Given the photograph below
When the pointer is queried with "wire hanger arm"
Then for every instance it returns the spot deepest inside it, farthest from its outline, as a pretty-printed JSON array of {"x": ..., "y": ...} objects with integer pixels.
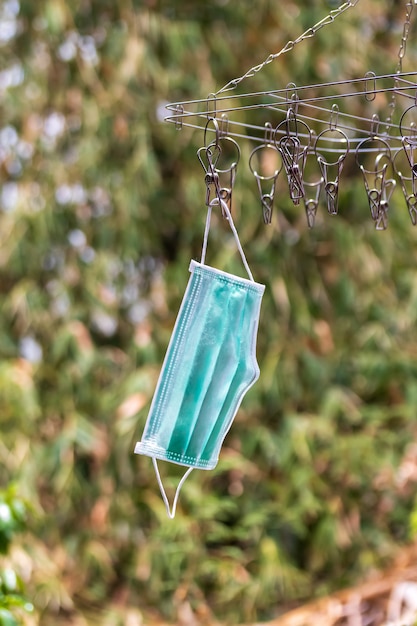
[{"x": 310, "y": 32}]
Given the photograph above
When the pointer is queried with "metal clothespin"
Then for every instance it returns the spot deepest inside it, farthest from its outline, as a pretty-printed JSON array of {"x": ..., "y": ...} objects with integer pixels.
[
  {"x": 292, "y": 157},
  {"x": 409, "y": 143},
  {"x": 311, "y": 203},
  {"x": 208, "y": 158},
  {"x": 407, "y": 184},
  {"x": 411, "y": 201},
  {"x": 387, "y": 186},
  {"x": 379, "y": 187},
  {"x": 261, "y": 152},
  {"x": 221, "y": 178},
  {"x": 331, "y": 181},
  {"x": 410, "y": 149},
  {"x": 226, "y": 176},
  {"x": 294, "y": 153},
  {"x": 331, "y": 170},
  {"x": 311, "y": 200}
]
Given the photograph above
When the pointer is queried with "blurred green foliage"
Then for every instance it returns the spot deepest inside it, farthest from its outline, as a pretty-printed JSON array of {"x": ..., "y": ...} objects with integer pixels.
[
  {"x": 13, "y": 515},
  {"x": 101, "y": 209}
]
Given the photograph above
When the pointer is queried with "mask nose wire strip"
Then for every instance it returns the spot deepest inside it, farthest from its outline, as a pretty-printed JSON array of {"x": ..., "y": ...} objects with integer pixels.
[
  {"x": 171, "y": 512},
  {"x": 216, "y": 202}
]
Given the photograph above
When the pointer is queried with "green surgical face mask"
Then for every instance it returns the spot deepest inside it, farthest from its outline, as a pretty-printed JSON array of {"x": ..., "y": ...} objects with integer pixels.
[{"x": 209, "y": 366}]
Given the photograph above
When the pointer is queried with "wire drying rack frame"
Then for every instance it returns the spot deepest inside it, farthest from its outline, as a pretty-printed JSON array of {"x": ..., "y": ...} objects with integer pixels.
[
  {"x": 372, "y": 119},
  {"x": 310, "y": 104}
]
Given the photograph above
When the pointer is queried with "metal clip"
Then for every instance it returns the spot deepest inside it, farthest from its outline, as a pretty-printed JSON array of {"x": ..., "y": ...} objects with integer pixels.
[
  {"x": 223, "y": 179},
  {"x": 226, "y": 175},
  {"x": 412, "y": 207},
  {"x": 331, "y": 187},
  {"x": 410, "y": 150},
  {"x": 267, "y": 198},
  {"x": 311, "y": 201},
  {"x": 208, "y": 159},
  {"x": 407, "y": 186},
  {"x": 409, "y": 142},
  {"x": 331, "y": 170},
  {"x": 311, "y": 204},
  {"x": 387, "y": 189},
  {"x": 378, "y": 187},
  {"x": 411, "y": 137},
  {"x": 294, "y": 154}
]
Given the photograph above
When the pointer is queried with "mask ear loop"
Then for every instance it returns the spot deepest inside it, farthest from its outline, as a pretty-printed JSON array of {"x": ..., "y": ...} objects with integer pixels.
[
  {"x": 223, "y": 204},
  {"x": 170, "y": 512},
  {"x": 218, "y": 201}
]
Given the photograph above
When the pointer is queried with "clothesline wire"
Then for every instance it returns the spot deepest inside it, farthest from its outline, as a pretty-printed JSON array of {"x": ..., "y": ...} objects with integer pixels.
[
  {"x": 261, "y": 140},
  {"x": 296, "y": 104},
  {"x": 313, "y": 86},
  {"x": 290, "y": 45},
  {"x": 299, "y": 105}
]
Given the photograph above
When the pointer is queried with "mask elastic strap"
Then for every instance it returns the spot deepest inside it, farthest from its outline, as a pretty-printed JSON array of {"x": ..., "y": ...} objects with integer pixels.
[
  {"x": 171, "y": 512},
  {"x": 216, "y": 202}
]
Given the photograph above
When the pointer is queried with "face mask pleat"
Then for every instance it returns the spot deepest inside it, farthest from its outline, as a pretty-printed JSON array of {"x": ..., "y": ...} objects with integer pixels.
[
  {"x": 157, "y": 429},
  {"x": 247, "y": 373},
  {"x": 206, "y": 341},
  {"x": 204, "y": 443}
]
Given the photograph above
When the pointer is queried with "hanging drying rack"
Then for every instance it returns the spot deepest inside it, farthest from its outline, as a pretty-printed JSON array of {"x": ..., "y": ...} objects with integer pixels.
[
  {"x": 307, "y": 107},
  {"x": 313, "y": 129}
]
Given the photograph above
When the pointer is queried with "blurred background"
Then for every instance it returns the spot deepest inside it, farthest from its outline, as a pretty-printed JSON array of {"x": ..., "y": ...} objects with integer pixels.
[{"x": 102, "y": 206}]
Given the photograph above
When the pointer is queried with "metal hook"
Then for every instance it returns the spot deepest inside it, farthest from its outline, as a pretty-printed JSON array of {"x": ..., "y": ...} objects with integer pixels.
[
  {"x": 334, "y": 117},
  {"x": 224, "y": 125},
  {"x": 217, "y": 131},
  {"x": 269, "y": 134},
  {"x": 370, "y": 94},
  {"x": 291, "y": 117},
  {"x": 292, "y": 100},
  {"x": 211, "y": 99},
  {"x": 375, "y": 125}
]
